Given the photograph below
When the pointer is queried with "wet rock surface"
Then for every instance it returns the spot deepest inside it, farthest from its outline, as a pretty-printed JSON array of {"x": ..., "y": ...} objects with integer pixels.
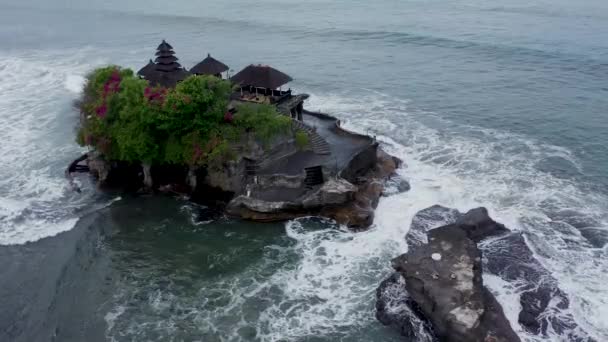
[
  {"x": 395, "y": 307},
  {"x": 333, "y": 192},
  {"x": 396, "y": 185},
  {"x": 351, "y": 204},
  {"x": 543, "y": 304},
  {"x": 427, "y": 219},
  {"x": 444, "y": 263},
  {"x": 444, "y": 279}
]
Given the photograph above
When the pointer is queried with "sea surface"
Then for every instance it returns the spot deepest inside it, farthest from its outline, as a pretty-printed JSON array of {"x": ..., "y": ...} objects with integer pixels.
[{"x": 502, "y": 104}]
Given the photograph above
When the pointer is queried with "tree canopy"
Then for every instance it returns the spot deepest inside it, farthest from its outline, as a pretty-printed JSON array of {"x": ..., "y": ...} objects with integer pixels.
[{"x": 126, "y": 119}]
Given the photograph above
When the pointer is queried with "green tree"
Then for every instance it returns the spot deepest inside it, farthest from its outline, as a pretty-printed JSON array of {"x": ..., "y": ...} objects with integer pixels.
[
  {"x": 128, "y": 120},
  {"x": 263, "y": 120}
]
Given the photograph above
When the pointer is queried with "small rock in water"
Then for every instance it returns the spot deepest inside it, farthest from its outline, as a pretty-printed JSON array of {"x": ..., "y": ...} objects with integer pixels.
[
  {"x": 436, "y": 256},
  {"x": 395, "y": 186}
]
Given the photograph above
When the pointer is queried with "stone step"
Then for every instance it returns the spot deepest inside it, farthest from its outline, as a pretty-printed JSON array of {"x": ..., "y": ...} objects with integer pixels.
[{"x": 317, "y": 143}]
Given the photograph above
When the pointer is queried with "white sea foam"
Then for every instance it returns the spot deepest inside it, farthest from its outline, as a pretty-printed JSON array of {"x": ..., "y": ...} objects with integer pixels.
[
  {"x": 464, "y": 167},
  {"x": 74, "y": 83},
  {"x": 36, "y": 126},
  {"x": 113, "y": 315}
]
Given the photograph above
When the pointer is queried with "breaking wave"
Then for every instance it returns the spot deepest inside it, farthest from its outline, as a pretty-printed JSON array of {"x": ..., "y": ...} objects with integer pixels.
[
  {"x": 36, "y": 126},
  {"x": 464, "y": 167}
]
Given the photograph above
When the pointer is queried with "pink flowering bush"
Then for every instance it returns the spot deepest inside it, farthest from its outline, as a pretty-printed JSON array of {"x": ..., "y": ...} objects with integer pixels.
[{"x": 128, "y": 119}]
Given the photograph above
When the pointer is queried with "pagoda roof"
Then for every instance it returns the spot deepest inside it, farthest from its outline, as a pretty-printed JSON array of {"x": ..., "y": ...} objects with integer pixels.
[
  {"x": 167, "y": 79},
  {"x": 164, "y": 46},
  {"x": 167, "y": 60},
  {"x": 165, "y": 70}
]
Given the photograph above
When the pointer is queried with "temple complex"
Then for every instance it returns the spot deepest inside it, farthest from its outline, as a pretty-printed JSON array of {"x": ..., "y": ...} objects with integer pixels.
[
  {"x": 314, "y": 168},
  {"x": 331, "y": 149}
]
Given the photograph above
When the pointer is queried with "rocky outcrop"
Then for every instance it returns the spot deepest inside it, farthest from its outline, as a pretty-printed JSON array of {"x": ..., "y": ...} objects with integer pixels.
[
  {"x": 250, "y": 189},
  {"x": 432, "y": 272},
  {"x": 347, "y": 203},
  {"x": 115, "y": 175},
  {"x": 396, "y": 185},
  {"x": 444, "y": 279},
  {"x": 395, "y": 307},
  {"x": 336, "y": 191},
  {"x": 359, "y": 213},
  {"x": 98, "y": 166}
]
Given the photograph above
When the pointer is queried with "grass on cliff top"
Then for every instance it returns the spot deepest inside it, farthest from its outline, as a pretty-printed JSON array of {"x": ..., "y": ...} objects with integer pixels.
[{"x": 126, "y": 119}]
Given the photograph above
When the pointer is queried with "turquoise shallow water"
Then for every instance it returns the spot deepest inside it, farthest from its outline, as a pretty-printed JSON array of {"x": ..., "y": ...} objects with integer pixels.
[{"x": 501, "y": 105}]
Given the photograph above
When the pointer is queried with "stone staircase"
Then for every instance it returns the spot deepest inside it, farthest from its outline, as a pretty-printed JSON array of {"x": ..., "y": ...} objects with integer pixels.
[
  {"x": 314, "y": 176},
  {"x": 252, "y": 168},
  {"x": 317, "y": 143}
]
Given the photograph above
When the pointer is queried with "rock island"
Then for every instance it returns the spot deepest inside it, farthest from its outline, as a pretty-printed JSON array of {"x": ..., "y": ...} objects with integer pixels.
[{"x": 240, "y": 142}]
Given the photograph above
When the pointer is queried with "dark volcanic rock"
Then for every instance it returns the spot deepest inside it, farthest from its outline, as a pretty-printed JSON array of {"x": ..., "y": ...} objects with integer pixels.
[
  {"x": 339, "y": 199},
  {"x": 396, "y": 308},
  {"x": 434, "y": 288},
  {"x": 427, "y": 219},
  {"x": 478, "y": 225},
  {"x": 444, "y": 279},
  {"x": 396, "y": 185}
]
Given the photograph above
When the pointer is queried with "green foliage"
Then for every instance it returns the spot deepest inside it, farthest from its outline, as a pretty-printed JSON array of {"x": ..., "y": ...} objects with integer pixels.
[
  {"x": 263, "y": 120},
  {"x": 197, "y": 104},
  {"x": 126, "y": 119},
  {"x": 302, "y": 140}
]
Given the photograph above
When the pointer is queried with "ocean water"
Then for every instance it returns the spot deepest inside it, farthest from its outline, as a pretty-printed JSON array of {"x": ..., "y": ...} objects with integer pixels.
[{"x": 502, "y": 105}]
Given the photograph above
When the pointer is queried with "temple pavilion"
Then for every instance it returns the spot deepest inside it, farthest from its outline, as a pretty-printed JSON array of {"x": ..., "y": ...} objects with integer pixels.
[
  {"x": 262, "y": 84},
  {"x": 165, "y": 71},
  {"x": 209, "y": 66}
]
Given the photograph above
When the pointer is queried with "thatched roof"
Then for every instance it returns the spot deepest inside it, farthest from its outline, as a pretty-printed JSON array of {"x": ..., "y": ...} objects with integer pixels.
[
  {"x": 165, "y": 70},
  {"x": 146, "y": 70},
  {"x": 167, "y": 79},
  {"x": 261, "y": 76},
  {"x": 209, "y": 66}
]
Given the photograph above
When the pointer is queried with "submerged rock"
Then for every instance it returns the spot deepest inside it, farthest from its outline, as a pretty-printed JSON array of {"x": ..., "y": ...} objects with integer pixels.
[
  {"x": 543, "y": 304},
  {"x": 396, "y": 185}
]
